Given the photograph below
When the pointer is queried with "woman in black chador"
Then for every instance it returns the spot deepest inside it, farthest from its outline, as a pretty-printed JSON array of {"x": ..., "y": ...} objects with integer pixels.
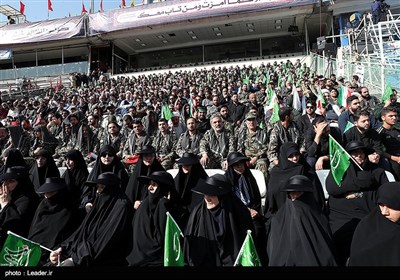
[
  {"x": 147, "y": 164},
  {"x": 150, "y": 219},
  {"x": 107, "y": 161},
  {"x": 76, "y": 175},
  {"x": 376, "y": 241},
  {"x": 300, "y": 233},
  {"x": 291, "y": 163},
  {"x": 12, "y": 157},
  {"x": 43, "y": 167},
  {"x": 246, "y": 189},
  {"x": 190, "y": 172},
  {"x": 217, "y": 226},
  {"x": 56, "y": 217},
  {"x": 102, "y": 238},
  {"x": 353, "y": 198},
  {"x": 18, "y": 202}
]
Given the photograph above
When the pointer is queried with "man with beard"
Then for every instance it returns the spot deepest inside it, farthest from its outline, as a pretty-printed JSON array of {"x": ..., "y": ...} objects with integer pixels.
[
  {"x": 362, "y": 131},
  {"x": 216, "y": 144},
  {"x": 189, "y": 141},
  {"x": 367, "y": 102},
  {"x": 203, "y": 124},
  {"x": 348, "y": 116}
]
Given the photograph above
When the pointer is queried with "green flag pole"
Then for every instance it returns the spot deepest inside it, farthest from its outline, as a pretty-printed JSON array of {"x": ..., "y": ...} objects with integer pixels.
[
  {"x": 346, "y": 152},
  {"x": 241, "y": 249},
  {"x": 19, "y": 236}
]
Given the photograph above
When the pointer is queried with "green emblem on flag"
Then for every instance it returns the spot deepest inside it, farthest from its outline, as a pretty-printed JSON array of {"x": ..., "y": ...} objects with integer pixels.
[
  {"x": 340, "y": 160},
  {"x": 19, "y": 252},
  {"x": 248, "y": 254},
  {"x": 173, "y": 255}
]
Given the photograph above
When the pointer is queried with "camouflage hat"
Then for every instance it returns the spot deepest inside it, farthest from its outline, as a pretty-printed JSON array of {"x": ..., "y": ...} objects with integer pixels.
[{"x": 250, "y": 116}]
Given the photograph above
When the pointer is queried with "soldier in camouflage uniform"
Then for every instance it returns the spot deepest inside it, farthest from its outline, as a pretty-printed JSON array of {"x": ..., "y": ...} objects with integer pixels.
[
  {"x": 189, "y": 141},
  {"x": 253, "y": 143},
  {"x": 228, "y": 123},
  {"x": 94, "y": 123},
  {"x": 133, "y": 145},
  {"x": 164, "y": 142},
  {"x": 216, "y": 144},
  {"x": 284, "y": 130}
]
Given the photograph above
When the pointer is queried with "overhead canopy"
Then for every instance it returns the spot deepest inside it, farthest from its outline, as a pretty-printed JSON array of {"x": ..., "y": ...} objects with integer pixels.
[{"x": 7, "y": 10}]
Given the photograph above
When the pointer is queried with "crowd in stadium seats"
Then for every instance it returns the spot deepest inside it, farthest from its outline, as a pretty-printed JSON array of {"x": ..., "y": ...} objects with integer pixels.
[{"x": 278, "y": 118}]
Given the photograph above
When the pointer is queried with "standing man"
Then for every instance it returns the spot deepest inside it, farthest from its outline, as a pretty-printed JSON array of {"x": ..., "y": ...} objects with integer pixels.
[{"x": 376, "y": 8}]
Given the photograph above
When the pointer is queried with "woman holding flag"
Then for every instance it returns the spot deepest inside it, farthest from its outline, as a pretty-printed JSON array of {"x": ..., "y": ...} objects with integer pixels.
[
  {"x": 217, "y": 226},
  {"x": 353, "y": 197},
  {"x": 150, "y": 219}
]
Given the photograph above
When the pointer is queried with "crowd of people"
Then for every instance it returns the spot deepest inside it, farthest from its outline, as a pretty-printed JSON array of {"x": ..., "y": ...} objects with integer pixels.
[{"x": 117, "y": 137}]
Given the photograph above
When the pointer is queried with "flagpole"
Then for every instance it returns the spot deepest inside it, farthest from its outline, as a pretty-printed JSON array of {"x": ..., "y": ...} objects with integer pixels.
[
  {"x": 242, "y": 248},
  {"x": 169, "y": 215},
  {"x": 19, "y": 236},
  {"x": 346, "y": 152}
]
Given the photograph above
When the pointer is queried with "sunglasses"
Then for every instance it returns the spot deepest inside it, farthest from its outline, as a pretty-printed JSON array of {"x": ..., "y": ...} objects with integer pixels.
[
  {"x": 310, "y": 107},
  {"x": 107, "y": 154}
]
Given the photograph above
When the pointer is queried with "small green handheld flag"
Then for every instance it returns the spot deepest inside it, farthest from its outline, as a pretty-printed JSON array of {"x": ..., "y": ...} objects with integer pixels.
[
  {"x": 388, "y": 91},
  {"x": 340, "y": 160},
  {"x": 18, "y": 251},
  {"x": 248, "y": 254},
  {"x": 348, "y": 126},
  {"x": 173, "y": 255}
]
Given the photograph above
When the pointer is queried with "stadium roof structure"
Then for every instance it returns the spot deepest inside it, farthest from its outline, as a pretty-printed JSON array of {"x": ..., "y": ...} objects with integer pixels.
[{"x": 7, "y": 10}]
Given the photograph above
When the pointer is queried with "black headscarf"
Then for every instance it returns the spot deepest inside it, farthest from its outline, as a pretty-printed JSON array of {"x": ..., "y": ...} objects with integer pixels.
[
  {"x": 149, "y": 221},
  {"x": 135, "y": 189},
  {"x": 56, "y": 218},
  {"x": 254, "y": 202},
  {"x": 214, "y": 237},
  {"x": 345, "y": 214},
  {"x": 115, "y": 167},
  {"x": 17, "y": 215},
  {"x": 75, "y": 178},
  {"x": 38, "y": 175},
  {"x": 300, "y": 235},
  {"x": 281, "y": 173},
  {"x": 102, "y": 238},
  {"x": 254, "y": 196},
  {"x": 14, "y": 158},
  {"x": 376, "y": 240},
  {"x": 185, "y": 182}
]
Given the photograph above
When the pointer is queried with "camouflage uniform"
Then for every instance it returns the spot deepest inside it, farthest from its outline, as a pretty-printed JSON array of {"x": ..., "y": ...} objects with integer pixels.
[
  {"x": 165, "y": 148},
  {"x": 188, "y": 144},
  {"x": 217, "y": 147},
  {"x": 280, "y": 135},
  {"x": 134, "y": 144},
  {"x": 255, "y": 144}
]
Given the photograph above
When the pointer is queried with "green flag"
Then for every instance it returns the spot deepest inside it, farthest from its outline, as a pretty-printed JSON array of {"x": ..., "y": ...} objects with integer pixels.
[
  {"x": 166, "y": 112},
  {"x": 246, "y": 80},
  {"x": 18, "y": 251},
  {"x": 340, "y": 160},
  {"x": 248, "y": 254},
  {"x": 348, "y": 126},
  {"x": 387, "y": 92},
  {"x": 173, "y": 255},
  {"x": 275, "y": 113}
]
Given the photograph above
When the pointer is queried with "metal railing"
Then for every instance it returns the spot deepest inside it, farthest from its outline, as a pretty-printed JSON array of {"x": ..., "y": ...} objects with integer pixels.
[{"x": 373, "y": 73}]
